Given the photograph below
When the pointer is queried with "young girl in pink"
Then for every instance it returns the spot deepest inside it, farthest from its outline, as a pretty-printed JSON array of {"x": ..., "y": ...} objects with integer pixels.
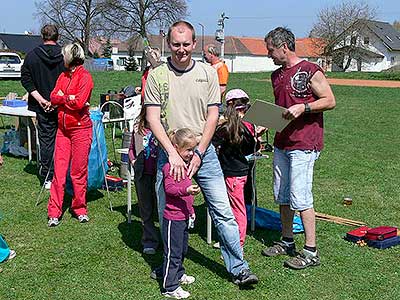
[
  {"x": 177, "y": 214},
  {"x": 234, "y": 139}
]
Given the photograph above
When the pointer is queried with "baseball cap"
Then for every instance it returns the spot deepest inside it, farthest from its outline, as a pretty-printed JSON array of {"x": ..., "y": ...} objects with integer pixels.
[{"x": 235, "y": 94}]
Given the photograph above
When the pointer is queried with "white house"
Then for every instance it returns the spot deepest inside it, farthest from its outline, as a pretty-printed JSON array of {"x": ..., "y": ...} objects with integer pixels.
[{"x": 367, "y": 45}]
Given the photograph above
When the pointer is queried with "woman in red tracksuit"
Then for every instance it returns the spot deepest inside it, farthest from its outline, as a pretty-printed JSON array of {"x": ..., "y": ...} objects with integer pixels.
[{"x": 74, "y": 135}]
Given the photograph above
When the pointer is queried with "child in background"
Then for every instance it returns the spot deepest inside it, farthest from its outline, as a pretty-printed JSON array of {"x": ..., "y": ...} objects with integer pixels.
[
  {"x": 143, "y": 156},
  {"x": 234, "y": 139},
  {"x": 178, "y": 214}
]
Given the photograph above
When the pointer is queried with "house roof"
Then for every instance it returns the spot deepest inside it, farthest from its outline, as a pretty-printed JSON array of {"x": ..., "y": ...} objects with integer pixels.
[
  {"x": 309, "y": 47},
  {"x": 386, "y": 32},
  {"x": 255, "y": 45},
  {"x": 21, "y": 42}
]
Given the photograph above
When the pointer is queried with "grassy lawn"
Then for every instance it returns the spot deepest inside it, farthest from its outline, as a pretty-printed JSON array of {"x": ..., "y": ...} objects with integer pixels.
[{"x": 102, "y": 259}]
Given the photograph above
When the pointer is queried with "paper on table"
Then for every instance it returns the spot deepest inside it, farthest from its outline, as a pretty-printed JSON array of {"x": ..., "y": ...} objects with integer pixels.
[{"x": 267, "y": 114}]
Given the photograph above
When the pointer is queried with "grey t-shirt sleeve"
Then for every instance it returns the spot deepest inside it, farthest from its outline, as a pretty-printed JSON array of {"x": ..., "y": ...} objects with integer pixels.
[
  {"x": 214, "y": 93},
  {"x": 152, "y": 94}
]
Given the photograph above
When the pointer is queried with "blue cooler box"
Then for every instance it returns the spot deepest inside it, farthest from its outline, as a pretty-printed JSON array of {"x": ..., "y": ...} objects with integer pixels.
[
  {"x": 390, "y": 242},
  {"x": 15, "y": 103}
]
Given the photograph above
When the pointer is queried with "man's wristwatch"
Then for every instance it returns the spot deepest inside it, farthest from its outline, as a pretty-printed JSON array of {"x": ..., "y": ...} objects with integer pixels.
[
  {"x": 199, "y": 153},
  {"x": 307, "y": 108}
]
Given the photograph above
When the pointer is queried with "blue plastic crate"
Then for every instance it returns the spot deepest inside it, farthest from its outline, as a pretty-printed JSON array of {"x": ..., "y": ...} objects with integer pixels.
[
  {"x": 390, "y": 242},
  {"x": 15, "y": 103}
]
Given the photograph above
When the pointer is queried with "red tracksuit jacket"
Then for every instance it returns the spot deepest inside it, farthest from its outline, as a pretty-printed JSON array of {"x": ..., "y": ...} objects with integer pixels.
[{"x": 73, "y": 114}]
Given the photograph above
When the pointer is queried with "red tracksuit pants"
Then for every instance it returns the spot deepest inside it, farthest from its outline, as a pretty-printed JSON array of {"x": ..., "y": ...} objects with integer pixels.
[
  {"x": 235, "y": 188},
  {"x": 71, "y": 150}
]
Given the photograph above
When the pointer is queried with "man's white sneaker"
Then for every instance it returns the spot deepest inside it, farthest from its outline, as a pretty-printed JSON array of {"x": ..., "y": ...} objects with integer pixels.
[
  {"x": 179, "y": 293},
  {"x": 53, "y": 222},
  {"x": 83, "y": 218},
  {"x": 186, "y": 279},
  {"x": 47, "y": 184}
]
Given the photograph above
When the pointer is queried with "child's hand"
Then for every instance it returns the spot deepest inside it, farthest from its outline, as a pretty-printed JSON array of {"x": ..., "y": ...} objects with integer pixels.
[
  {"x": 194, "y": 189},
  {"x": 193, "y": 216},
  {"x": 260, "y": 130}
]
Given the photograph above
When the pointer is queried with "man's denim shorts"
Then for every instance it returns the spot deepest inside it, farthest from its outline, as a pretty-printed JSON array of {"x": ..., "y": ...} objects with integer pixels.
[{"x": 293, "y": 177}]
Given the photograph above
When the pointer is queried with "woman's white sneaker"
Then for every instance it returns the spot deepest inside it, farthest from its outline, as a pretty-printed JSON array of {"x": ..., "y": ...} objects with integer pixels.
[
  {"x": 53, "y": 222},
  {"x": 83, "y": 218}
]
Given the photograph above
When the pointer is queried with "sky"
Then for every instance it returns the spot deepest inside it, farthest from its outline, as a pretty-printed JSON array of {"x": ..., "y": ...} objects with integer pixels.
[{"x": 252, "y": 18}]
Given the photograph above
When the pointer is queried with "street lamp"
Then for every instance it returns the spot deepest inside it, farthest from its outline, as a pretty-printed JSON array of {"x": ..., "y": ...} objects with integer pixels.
[{"x": 202, "y": 42}]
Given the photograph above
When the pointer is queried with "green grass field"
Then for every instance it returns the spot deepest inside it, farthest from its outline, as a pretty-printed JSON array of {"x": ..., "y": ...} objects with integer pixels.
[{"x": 102, "y": 259}]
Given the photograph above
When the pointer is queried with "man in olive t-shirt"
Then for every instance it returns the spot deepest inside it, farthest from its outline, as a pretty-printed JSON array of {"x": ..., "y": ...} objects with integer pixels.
[{"x": 185, "y": 93}]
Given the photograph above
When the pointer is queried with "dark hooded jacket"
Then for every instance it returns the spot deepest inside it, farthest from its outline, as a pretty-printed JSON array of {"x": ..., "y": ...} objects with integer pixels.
[{"x": 40, "y": 71}]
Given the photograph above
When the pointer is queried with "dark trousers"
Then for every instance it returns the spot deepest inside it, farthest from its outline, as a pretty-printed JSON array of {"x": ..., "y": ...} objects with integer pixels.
[
  {"x": 47, "y": 129},
  {"x": 250, "y": 190},
  {"x": 175, "y": 238},
  {"x": 147, "y": 202}
]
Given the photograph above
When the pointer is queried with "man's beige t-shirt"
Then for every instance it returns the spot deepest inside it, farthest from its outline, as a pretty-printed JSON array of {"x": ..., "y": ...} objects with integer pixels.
[{"x": 190, "y": 93}]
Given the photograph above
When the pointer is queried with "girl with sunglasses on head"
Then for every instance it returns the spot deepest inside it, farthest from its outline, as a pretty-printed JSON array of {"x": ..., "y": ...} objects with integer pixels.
[{"x": 234, "y": 139}]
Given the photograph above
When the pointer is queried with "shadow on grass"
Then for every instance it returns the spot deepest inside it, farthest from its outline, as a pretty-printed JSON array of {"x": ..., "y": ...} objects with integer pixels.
[
  {"x": 31, "y": 168},
  {"x": 264, "y": 236},
  {"x": 131, "y": 236},
  {"x": 92, "y": 195}
]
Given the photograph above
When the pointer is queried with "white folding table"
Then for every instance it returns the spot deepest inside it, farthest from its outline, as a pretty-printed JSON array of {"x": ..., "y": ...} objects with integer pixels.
[{"x": 25, "y": 113}]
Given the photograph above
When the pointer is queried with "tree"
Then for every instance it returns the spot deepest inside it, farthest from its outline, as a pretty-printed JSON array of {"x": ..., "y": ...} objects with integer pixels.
[
  {"x": 131, "y": 64},
  {"x": 332, "y": 22},
  {"x": 107, "y": 51},
  {"x": 78, "y": 20},
  {"x": 137, "y": 17},
  {"x": 396, "y": 25}
]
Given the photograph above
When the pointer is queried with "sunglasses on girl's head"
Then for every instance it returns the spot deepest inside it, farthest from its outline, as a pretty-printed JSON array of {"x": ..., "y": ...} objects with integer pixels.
[{"x": 242, "y": 107}]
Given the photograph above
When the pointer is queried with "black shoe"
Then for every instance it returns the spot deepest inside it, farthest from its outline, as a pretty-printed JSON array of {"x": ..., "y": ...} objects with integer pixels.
[
  {"x": 156, "y": 274},
  {"x": 280, "y": 248},
  {"x": 245, "y": 277}
]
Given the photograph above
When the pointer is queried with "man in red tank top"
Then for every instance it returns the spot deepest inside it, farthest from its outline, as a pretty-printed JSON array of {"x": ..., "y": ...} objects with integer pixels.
[{"x": 302, "y": 88}]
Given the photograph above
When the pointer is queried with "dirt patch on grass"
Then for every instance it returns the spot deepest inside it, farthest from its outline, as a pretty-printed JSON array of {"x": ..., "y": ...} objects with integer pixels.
[
  {"x": 365, "y": 82},
  {"x": 354, "y": 82}
]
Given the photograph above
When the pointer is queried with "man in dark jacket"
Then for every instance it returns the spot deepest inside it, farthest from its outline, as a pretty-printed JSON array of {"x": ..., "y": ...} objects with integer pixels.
[{"x": 39, "y": 74}]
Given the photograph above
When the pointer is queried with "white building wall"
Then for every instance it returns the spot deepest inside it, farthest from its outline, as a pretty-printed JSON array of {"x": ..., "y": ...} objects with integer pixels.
[
  {"x": 235, "y": 64},
  {"x": 249, "y": 64},
  {"x": 376, "y": 45}
]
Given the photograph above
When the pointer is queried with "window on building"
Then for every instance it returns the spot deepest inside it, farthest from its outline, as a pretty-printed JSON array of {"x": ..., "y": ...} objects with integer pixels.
[
  {"x": 392, "y": 60},
  {"x": 366, "y": 40}
]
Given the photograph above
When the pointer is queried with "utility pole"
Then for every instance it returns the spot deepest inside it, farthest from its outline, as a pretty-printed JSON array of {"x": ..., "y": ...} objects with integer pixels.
[
  {"x": 202, "y": 42},
  {"x": 162, "y": 34},
  {"x": 220, "y": 33}
]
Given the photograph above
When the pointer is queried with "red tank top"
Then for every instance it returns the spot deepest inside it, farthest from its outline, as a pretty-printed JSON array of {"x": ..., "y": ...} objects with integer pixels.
[{"x": 292, "y": 86}]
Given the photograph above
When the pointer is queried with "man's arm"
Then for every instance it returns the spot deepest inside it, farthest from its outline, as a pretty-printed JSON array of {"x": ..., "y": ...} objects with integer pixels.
[
  {"x": 28, "y": 84},
  {"x": 222, "y": 88},
  {"x": 176, "y": 162},
  {"x": 208, "y": 132},
  {"x": 326, "y": 99}
]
